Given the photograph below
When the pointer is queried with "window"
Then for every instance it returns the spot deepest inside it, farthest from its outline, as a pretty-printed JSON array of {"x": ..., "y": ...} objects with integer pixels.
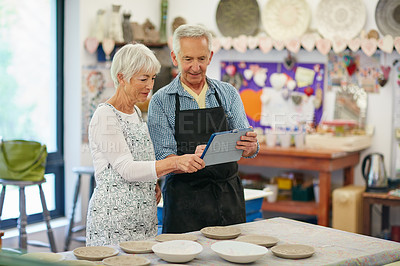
[{"x": 31, "y": 69}]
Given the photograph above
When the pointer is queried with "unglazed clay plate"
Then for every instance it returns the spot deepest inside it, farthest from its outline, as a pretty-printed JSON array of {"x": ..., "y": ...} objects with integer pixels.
[
  {"x": 78, "y": 262},
  {"x": 126, "y": 260},
  {"x": 221, "y": 232},
  {"x": 44, "y": 256},
  {"x": 94, "y": 253},
  {"x": 169, "y": 237},
  {"x": 293, "y": 251},
  {"x": 261, "y": 240},
  {"x": 137, "y": 246}
]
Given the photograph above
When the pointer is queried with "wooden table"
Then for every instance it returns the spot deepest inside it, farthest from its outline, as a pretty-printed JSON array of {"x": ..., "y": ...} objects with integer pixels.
[
  {"x": 322, "y": 161},
  {"x": 385, "y": 200},
  {"x": 332, "y": 246}
]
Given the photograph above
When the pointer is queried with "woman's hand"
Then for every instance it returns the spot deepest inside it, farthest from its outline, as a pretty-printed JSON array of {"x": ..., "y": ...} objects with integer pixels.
[
  {"x": 248, "y": 143},
  {"x": 189, "y": 163},
  {"x": 158, "y": 193}
]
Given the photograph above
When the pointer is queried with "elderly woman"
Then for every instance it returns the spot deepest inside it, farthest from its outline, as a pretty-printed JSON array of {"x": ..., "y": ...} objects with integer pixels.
[{"x": 123, "y": 204}]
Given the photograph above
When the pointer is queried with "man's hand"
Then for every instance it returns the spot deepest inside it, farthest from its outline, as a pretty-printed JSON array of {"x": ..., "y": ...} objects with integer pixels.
[{"x": 248, "y": 143}]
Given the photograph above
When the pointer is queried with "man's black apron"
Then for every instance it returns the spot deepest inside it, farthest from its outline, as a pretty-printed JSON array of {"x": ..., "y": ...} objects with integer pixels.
[{"x": 212, "y": 196}]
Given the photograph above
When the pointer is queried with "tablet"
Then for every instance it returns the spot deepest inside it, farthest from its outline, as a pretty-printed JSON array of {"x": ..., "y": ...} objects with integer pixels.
[{"x": 221, "y": 147}]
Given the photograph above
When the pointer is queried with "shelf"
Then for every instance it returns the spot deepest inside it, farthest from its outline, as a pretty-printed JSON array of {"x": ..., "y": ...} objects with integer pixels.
[{"x": 324, "y": 161}]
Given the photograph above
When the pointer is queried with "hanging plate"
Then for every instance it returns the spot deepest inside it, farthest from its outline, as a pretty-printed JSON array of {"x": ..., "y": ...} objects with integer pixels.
[
  {"x": 237, "y": 17},
  {"x": 340, "y": 18},
  {"x": 286, "y": 19},
  {"x": 387, "y": 17}
]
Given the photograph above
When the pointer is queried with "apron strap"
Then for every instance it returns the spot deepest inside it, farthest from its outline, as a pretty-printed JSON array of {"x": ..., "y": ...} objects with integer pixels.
[{"x": 178, "y": 103}]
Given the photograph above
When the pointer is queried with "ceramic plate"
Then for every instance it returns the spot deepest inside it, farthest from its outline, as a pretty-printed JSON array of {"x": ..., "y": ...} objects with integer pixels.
[
  {"x": 126, "y": 260},
  {"x": 44, "y": 256},
  {"x": 286, "y": 19},
  {"x": 237, "y": 17},
  {"x": 293, "y": 251},
  {"x": 340, "y": 18},
  {"x": 238, "y": 252},
  {"x": 78, "y": 262},
  {"x": 387, "y": 14},
  {"x": 177, "y": 251},
  {"x": 221, "y": 232},
  {"x": 169, "y": 237},
  {"x": 94, "y": 253},
  {"x": 261, "y": 240},
  {"x": 137, "y": 246}
]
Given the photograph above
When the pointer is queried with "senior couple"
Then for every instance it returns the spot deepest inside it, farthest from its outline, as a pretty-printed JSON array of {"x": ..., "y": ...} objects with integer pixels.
[{"x": 129, "y": 155}]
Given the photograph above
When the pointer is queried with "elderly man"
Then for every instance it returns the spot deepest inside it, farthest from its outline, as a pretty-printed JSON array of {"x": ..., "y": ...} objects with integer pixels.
[{"x": 183, "y": 115}]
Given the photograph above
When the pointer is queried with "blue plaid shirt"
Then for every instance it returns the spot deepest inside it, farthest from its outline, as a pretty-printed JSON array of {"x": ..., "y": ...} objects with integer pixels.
[{"x": 161, "y": 113}]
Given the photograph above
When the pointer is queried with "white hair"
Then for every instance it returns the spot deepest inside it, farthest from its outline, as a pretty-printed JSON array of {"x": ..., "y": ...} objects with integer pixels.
[
  {"x": 131, "y": 59},
  {"x": 190, "y": 31}
]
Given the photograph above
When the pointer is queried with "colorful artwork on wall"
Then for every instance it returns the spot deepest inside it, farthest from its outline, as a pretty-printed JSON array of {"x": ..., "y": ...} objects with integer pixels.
[
  {"x": 97, "y": 87},
  {"x": 277, "y": 94}
]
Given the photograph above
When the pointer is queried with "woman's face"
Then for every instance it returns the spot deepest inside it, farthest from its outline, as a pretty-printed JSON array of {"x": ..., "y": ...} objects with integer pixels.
[{"x": 140, "y": 85}]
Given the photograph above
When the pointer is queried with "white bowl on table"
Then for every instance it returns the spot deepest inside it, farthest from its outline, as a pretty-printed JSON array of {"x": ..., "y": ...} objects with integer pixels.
[
  {"x": 239, "y": 252},
  {"x": 177, "y": 251}
]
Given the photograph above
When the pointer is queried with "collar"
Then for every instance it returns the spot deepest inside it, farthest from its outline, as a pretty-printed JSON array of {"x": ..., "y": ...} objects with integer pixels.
[{"x": 176, "y": 87}]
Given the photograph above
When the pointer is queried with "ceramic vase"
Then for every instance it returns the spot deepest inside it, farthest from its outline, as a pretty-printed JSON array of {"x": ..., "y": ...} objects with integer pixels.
[
  {"x": 115, "y": 31},
  {"x": 127, "y": 28},
  {"x": 163, "y": 26},
  {"x": 99, "y": 27}
]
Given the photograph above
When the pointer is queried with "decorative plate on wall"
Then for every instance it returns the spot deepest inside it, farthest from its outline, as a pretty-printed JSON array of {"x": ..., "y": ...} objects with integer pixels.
[
  {"x": 237, "y": 17},
  {"x": 387, "y": 17},
  {"x": 286, "y": 19},
  {"x": 340, "y": 18}
]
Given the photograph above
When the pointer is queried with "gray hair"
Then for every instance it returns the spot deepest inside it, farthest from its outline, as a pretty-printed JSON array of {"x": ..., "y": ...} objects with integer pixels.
[
  {"x": 190, "y": 31},
  {"x": 131, "y": 59}
]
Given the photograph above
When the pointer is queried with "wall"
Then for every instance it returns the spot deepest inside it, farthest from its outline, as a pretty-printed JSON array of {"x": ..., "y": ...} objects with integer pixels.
[{"x": 80, "y": 16}]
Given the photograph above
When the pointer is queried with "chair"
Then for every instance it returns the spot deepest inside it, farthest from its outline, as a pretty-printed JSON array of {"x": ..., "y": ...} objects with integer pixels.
[
  {"x": 87, "y": 171},
  {"x": 22, "y": 220}
]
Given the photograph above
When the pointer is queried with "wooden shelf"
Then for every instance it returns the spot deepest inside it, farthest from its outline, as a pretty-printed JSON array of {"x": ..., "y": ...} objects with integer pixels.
[{"x": 323, "y": 161}]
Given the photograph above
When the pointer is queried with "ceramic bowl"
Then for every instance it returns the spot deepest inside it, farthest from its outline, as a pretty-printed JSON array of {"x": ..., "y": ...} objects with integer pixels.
[
  {"x": 239, "y": 252},
  {"x": 177, "y": 251}
]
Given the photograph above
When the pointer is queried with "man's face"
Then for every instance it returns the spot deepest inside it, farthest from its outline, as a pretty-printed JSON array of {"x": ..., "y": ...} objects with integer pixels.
[{"x": 192, "y": 61}]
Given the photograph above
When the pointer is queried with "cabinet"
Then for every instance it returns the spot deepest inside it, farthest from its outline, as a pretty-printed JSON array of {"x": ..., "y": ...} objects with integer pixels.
[{"x": 323, "y": 161}]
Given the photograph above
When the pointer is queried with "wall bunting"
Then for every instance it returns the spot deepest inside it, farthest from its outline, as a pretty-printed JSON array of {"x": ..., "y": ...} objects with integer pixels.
[{"x": 277, "y": 94}]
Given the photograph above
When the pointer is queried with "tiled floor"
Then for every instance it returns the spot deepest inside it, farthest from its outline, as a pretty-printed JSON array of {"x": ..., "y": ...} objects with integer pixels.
[{"x": 10, "y": 239}]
